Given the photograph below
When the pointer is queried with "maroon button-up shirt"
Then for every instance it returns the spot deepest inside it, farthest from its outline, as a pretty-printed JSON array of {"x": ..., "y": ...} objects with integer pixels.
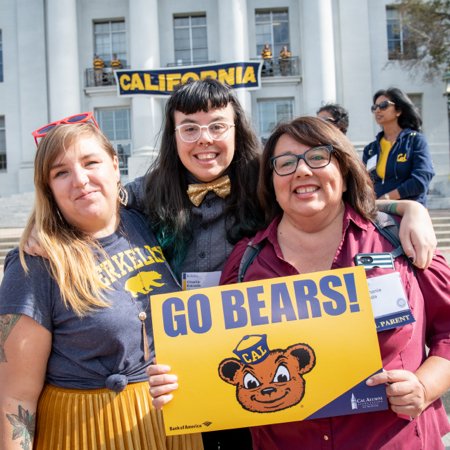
[{"x": 401, "y": 348}]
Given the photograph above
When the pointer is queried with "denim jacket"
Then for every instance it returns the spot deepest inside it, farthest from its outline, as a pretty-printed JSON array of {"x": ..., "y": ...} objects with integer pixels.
[{"x": 409, "y": 167}]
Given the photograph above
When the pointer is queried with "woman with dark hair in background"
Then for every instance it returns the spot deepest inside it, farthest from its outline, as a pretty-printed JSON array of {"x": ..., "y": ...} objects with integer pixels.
[
  {"x": 335, "y": 114},
  {"x": 399, "y": 159}
]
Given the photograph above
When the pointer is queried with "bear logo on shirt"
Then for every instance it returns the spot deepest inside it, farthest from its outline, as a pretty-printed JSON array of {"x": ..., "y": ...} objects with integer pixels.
[
  {"x": 143, "y": 283},
  {"x": 267, "y": 380}
]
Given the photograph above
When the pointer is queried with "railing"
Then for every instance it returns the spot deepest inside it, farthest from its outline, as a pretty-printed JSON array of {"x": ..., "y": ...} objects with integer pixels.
[
  {"x": 101, "y": 77},
  {"x": 180, "y": 63},
  {"x": 276, "y": 67}
]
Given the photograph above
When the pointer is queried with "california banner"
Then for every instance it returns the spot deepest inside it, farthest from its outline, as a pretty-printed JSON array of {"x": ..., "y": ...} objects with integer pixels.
[{"x": 163, "y": 81}]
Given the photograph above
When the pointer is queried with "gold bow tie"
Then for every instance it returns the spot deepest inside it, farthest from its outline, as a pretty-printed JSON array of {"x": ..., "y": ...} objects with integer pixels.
[{"x": 197, "y": 192}]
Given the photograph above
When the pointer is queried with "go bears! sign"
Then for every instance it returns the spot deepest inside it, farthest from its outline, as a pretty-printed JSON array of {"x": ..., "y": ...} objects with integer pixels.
[{"x": 269, "y": 351}]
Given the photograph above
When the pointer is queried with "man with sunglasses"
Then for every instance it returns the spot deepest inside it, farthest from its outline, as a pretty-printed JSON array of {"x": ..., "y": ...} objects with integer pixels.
[{"x": 399, "y": 159}]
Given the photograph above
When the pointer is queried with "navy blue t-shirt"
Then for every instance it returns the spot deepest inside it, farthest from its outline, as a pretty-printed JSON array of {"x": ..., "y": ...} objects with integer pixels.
[{"x": 87, "y": 351}]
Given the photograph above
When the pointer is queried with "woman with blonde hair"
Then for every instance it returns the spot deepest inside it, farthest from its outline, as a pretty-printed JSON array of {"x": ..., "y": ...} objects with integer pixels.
[{"x": 76, "y": 327}]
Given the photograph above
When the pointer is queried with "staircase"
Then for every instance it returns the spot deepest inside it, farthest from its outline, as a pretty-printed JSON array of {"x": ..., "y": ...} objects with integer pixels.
[
  {"x": 16, "y": 210},
  {"x": 441, "y": 224}
]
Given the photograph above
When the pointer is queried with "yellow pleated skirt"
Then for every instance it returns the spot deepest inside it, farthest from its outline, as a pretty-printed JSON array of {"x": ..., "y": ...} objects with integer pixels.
[{"x": 100, "y": 419}]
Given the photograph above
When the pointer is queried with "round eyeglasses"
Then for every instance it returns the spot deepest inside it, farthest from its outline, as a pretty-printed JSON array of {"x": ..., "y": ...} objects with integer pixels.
[
  {"x": 315, "y": 158},
  {"x": 191, "y": 132},
  {"x": 382, "y": 105}
]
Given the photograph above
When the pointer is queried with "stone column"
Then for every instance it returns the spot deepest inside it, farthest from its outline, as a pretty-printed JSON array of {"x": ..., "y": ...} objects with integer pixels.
[
  {"x": 234, "y": 39},
  {"x": 31, "y": 85},
  {"x": 146, "y": 111},
  {"x": 62, "y": 59},
  {"x": 318, "y": 60}
]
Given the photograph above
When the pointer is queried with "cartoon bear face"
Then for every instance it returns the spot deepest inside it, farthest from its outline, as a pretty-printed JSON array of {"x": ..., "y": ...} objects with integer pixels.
[{"x": 273, "y": 384}]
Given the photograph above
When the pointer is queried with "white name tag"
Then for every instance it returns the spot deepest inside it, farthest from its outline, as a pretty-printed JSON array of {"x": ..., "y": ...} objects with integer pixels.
[
  {"x": 389, "y": 302},
  {"x": 197, "y": 280},
  {"x": 371, "y": 163}
]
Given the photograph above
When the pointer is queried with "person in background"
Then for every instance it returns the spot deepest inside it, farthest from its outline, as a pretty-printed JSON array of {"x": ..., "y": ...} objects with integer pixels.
[
  {"x": 319, "y": 202},
  {"x": 115, "y": 62},
  {"x": 266, "y": 55},
  {"x": 335, "y": 114},
  {"x": 99, "y": 65},
  {"x": 285, "y": 61},
  {"x": 76, "y": 327},
  {"x": 399, "y": 159}
]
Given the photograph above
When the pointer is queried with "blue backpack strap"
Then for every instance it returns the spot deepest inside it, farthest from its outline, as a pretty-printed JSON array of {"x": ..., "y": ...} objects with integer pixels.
[
  {"x": 250, "y": 253},
  {"x": 388, "y": 227}
]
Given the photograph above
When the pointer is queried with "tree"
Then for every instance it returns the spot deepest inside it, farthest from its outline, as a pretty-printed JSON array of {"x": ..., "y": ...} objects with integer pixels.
[{"x": 427, "y": 23}]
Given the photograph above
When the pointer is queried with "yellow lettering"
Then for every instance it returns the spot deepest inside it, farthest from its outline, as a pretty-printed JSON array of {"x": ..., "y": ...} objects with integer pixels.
[
  {"x": 136, "y": 83},
  {"x": 227, "y": 77},
  {"x": 249, "y": 75},
  {"x": 173, "y": 79},
  {"x": 148, "y": 83},
  {"x": 188, "y": 75},
  {"x": 121, "y": 264},
  {"x": 239, "y": 75},
  {"x": 246, "y": 358},
  {"x": 109, "y": 270},
  {"x": 262, "y": 351},
  {"x": 157, "y": 250},
  {"x": 208, "y": 74},
  {"x": 147, "y": 260},
  {"x": 162, "y": 82},
  {"x": 124, "y": 81},
  {"x": 131, "y": 256},
  {"x": 101, "y": 275}
]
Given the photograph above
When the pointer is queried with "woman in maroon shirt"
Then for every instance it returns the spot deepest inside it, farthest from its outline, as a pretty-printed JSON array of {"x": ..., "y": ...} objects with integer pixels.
[{"x": 320, "y": 210}]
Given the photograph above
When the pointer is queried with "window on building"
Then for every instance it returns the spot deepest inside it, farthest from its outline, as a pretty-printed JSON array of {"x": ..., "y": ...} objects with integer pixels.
[
  {"x": 273, "y": 111},
  {"x": 400, "y": 46},
  {"x": 1, "y": 57},
  {"x": 109, "y": 38},
  {"x": 3, "y": 165},
  {"x": 115, "y": 123},
  {"x": 190, "y": 39},
  {"x": 272, "y": 27},
  {"x": 417, "y": 101}
]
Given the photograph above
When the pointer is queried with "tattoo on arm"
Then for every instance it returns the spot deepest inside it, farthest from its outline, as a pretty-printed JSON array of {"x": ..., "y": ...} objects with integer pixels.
[
  {"x": 7, "y": 322},
  {"x": 389, "y": 208},
  {"x": 24, "y": 425}
]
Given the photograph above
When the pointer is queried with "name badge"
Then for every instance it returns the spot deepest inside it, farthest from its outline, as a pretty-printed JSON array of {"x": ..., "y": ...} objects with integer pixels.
[
  {"x": 197, "y": 280},
  {"x": 389, "y": 302},
  {"x": 375, "y": 260},
  {"x": 371, "y": 163}
]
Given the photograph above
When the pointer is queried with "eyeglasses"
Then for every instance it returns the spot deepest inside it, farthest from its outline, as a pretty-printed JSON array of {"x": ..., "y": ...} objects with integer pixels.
[
  {"x": 76, "y": 118},
  {"x": 191, "y": 132},
  {"x": 383, "y": 105},
  {"x": 315, "y": 158}
]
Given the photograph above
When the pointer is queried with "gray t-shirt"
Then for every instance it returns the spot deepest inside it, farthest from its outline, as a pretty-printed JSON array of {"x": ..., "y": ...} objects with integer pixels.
[{"x": 104, "y": 348}]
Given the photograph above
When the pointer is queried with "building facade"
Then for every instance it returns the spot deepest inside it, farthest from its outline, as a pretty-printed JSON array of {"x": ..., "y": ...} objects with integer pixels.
[{"x": 340, "y": 51}]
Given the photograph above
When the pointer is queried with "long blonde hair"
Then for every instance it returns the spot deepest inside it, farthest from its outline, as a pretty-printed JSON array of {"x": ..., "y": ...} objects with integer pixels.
[{"x": 70, "y": 251}]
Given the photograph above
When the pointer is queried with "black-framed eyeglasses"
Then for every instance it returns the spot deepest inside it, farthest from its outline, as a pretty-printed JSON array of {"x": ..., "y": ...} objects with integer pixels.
[
  {"x": 191, "y": 132},
  {"x": 315, "y": 158},
  {"x": 382, "y": 105}
]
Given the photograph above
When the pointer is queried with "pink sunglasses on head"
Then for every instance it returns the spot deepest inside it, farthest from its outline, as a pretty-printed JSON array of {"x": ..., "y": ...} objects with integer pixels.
[{"x": 76, "y": 118}]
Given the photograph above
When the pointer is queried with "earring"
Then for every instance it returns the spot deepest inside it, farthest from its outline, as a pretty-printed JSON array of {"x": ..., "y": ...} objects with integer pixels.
[{"x": 122, "y": 194}]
